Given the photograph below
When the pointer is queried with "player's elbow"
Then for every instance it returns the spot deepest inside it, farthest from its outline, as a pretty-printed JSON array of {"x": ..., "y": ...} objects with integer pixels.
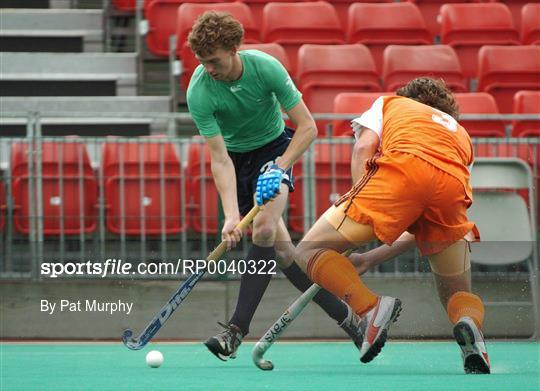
[
  {"x": 305, "y": 124},
  {"x": 310, "y": 130},
  {"x": 219, "y": 164},
  {"x": 365, "y": 148}
]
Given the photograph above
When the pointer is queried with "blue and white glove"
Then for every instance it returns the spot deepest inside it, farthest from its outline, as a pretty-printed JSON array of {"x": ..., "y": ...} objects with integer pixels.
[{"x": 268, "y": 184}]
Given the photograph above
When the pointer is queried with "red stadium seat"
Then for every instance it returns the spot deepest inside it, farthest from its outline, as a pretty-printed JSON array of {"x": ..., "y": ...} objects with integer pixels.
[
  {"x": 146, "y": 4},
  {"x": 332, "y": 179},
  {"x": 295, "y": 24},
  {"x": 526, "y": 102},
  {"x": 530, "y": 24},
  {"x": 273, "y": 49},
  {"x": 466, "y": 27},
  {"x": 69, "y": 188},
  {"x": 516, "y": 7},
  {"x": 480, "y": 103},
  {"x": 188, "y": 13},
  {"x": 257, "y": 6},
  {"x": 379, "y": 25},
  {"x": 3, "y": 205},
  {"x": 403, "y": 63},
  {"x": 469, "y": 103},
  {"x": 504, "y": 70},
  {"x": 342, "y": 9},
  {"x": 124, "y": 5},
  {"x": 430, "y": 11},
  {"x": 352, "y": 103},
  {"x": 203, "y": 195},
  {"x": 143, "y": 188},
  {"x": 129, "y": 5},
  {"x": 326, "y": 70},
  {"x": 162, "y": 18}
]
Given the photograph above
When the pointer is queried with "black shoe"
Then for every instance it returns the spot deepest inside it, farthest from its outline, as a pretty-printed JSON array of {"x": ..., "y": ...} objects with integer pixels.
[{"x": 225, "y": 344}]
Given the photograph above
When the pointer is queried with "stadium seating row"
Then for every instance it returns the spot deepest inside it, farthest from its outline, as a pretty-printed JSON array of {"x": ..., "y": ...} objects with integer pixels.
[
  {"x": 429, "y": 9},
  {"x": 525, "y": 102},
  {"x": 146, "y": 191},
  {"x": 141, "y": 182},
  {"x": 326, "y": 70},
  {"x": 51, "y": 30},
  {"x": 314, "y": 23},
  {"x": 68, "y": 74},
  {"x": 79, "y": 125},
  {"x": 376, "y": 23},
  {"x": 142, "y": 185}
]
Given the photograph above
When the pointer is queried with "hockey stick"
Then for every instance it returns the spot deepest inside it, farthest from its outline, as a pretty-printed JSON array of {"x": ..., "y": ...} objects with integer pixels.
[
  {"x": 279, "y": 326},
  {"x": 174, "y": 302},
  {"x": 290, "y": 314}
]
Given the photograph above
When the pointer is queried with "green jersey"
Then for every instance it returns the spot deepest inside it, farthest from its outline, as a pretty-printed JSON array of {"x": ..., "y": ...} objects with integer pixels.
[{"x": 246, "y": 112}]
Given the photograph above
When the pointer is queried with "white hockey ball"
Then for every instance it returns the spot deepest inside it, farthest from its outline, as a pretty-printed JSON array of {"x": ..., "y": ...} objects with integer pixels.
[{"x": 154, "y": 359}]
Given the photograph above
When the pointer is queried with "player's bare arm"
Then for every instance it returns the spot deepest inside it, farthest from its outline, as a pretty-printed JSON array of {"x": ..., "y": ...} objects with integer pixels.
[
  {"x": 224, "y": 174},
  {"x": 383, "y": 253},
  {"x": 365, "y": 147},
  {"x": 306, "y": 132}
]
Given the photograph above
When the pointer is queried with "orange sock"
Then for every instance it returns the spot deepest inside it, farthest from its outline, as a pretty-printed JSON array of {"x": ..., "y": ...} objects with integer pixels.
[
  {"x": 465, "y": 304},
  {"x": 335, "y": 273}
]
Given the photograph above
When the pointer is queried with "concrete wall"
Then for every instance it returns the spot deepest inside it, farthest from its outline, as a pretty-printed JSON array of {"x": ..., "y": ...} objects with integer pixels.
[{"x": 209, "y": 302}]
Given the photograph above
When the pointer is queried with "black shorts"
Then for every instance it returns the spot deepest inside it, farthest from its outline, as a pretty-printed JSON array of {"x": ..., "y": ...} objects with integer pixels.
[{"x": 249, "y": 165}]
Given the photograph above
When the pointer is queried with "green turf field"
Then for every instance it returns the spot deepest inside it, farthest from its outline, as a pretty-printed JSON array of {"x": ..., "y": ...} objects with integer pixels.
[{"x": 330, "y": 366}]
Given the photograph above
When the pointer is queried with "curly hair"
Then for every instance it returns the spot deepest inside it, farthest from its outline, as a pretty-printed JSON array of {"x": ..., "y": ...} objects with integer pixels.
[
  {"x": 431, "y": 92},
  {"x": 215, "y": 30}
]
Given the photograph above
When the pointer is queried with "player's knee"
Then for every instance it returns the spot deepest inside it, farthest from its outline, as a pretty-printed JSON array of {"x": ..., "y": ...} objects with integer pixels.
[
  {"x": 285, "y": 254},
  {"x": 264, "y": 231},
  {"x": 303, "y": 254}
]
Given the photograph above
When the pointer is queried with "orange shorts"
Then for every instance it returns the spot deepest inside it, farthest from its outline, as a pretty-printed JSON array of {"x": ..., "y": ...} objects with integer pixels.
[{"x": 401, "y": 192}]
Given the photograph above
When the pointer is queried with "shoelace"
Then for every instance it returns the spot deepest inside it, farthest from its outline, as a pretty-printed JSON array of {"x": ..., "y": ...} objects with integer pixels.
[
  {"x": 228, "y": 335},
  {"x": 356, "y": 325}
]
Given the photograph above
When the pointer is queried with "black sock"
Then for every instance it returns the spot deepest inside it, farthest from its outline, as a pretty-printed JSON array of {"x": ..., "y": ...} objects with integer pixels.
[
  {"x": 252, "y": 288},
  {"x": 332, "y": 305}
]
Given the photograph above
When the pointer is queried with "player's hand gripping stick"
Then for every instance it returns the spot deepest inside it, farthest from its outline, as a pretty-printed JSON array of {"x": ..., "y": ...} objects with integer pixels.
[{"x": 136, "y": 343}]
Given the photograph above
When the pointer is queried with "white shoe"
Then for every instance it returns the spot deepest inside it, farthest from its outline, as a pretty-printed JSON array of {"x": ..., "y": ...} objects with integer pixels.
[
  {"x": 473, "y": 348},
  {"x": 379, "y": 319}
]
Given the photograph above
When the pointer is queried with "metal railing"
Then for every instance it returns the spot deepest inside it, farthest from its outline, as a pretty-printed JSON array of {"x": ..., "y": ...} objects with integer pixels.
[{"x": 119, "y": 225}]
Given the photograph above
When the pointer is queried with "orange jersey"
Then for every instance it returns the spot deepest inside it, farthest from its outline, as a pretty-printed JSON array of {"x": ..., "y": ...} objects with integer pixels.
[{"x": 406, "y": 125}]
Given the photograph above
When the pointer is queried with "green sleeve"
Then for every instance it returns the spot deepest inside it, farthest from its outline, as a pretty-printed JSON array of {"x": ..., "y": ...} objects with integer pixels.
[
  {"x": 281, "y": 84},
  {"x": 202, "y": 107}
]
